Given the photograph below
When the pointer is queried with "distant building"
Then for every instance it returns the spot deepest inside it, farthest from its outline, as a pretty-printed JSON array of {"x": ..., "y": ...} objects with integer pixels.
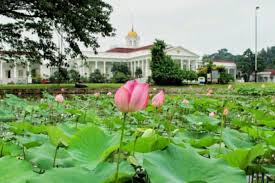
[
  {"x": 230, "y": 66},
  {"x": 267, "y": 75}
]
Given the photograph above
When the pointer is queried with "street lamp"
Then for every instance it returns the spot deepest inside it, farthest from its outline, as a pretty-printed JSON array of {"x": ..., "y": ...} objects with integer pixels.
[{"x": 256, "y": 41}]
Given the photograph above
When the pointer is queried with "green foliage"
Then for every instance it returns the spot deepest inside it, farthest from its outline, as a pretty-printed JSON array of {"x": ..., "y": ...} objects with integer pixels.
[
  {"x": 164, "y": 70},
  {"x": 138, "y": 73},
  {"x": 43, "y": 19},
  {"x": 74, "y": 76},
  {"x": 118, "y": 67},
  {"x": 167, "y": 166},
  {"x": 225, "y": 78},
  {"x": 97, "y": 77},
  {"x": 77, "y": 141},
  {"x": 190, "y": 75},
  {"x": 15, "y": 171},
  {"x": 121, "y": 73},
  {"x": 120, "y": 77},
  {"x": 60, "y": 76}
]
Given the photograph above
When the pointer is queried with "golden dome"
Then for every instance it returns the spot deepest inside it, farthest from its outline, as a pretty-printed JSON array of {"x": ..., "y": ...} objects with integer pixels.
[{"x": 132, "y": 34}]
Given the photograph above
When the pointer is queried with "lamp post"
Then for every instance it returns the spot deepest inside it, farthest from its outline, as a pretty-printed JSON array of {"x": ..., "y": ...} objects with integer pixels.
[{"x": 256, "y": 42}]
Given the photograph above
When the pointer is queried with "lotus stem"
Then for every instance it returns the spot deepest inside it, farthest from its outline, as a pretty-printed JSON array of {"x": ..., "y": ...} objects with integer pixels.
[
  {"x": 120, "y": 146},
  {"x": 55, "y": 155}
]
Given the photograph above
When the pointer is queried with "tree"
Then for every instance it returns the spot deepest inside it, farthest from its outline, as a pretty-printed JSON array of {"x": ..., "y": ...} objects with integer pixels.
[
  {"x": 118, "y": 67},
  {"x": 138, "y": 72},
  {"x": 97, "y": 77},
  {"x": 32, "y": 26},
  {"x": 222, "y": 54},
  {"x": 246, "y": 64},
  {"x": 121, "y": 73},
  {"x": 164, "y": 69}
]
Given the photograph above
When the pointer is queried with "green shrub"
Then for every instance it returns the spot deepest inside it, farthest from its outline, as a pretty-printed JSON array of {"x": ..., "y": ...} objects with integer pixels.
[
  {"x": 97, "y": 77},
  {"x": 120, "y": 77},
  {"x": 60, "y": 76},
  {"x": 138, "y": 73},
  {"x": 74, "y": 76},
  {"x": 190, "y": 75},
  {"x": 121, "y": 73},
  {"x": 225, "y": 78}
]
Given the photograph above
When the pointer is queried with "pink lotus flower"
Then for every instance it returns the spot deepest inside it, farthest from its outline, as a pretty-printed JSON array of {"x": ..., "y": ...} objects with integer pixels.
[
  {"x": 132, "y": 96},
  {"x": 158, "y": 99},
  {"x": 97, "y": 94},
  {"x": 208, "y": 94},
  {"x": 185, "y": 101},
  {"x": 109, "y": 94},
  {"x": 225, "y": 112},
  {"x": 59, "y": 98},
  {"x": 62, "y": 90},
  {"x": 212, "y": 114}
]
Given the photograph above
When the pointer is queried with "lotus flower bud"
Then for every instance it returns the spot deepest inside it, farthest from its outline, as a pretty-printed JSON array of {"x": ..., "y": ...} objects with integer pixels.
[
  {"x": 212, "y": 114},
  {"x": 185, "y": 101},
  {"x": 132, "y": 96},
  {"x": 158, "y": 99},
  {"x": 59, "y": 98}
]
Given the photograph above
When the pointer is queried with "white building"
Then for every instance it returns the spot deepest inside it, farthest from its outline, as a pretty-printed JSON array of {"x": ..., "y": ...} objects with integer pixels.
[
  {"x": 132, "y": 54},
  {"x": 230, "y": 66},
  {"x": 267, "y": 75}
]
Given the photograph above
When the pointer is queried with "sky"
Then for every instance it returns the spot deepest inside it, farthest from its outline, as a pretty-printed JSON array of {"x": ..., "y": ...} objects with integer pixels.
[{"x": 202, "y": 26}]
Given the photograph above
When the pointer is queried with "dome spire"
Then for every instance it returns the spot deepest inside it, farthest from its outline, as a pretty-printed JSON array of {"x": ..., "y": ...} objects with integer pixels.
[{"x": 132, "y": 38}]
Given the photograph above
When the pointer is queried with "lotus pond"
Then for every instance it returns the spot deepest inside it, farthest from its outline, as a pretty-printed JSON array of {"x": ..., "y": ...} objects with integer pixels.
[{"x": 190, "y": 139}]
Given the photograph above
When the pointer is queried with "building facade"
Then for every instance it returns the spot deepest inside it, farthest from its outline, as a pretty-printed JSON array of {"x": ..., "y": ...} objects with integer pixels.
[
  {"x": 132, "y": 54},
  {"x": 267, "y": 75},
  {"x": 230, "y": 66}
]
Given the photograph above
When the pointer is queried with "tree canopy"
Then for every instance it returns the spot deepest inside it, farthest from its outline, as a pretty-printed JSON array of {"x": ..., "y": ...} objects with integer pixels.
[{"x": 31, "y": 26}]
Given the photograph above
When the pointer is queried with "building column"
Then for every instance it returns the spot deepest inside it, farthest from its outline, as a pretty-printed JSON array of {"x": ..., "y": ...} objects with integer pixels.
[
  {"x": 145, "y": 72},
  {"x": 96, "y": 65},
  {"x": 142, "y": 68},
  {"x": 104, "y": 67},
  {"x": 135, "y": 65},
  {"x": 1, "y": 70},
  {"x": 15, "y": 74},
  {"x": 181, "y": 64},
  {"x": 189, "y": 65},
  {"x": 29, "y": 77},
  {"x": 197, "y": 65}
]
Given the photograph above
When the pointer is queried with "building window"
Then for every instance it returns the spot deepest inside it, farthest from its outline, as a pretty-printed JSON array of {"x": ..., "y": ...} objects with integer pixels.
[
  {"x": 8, "y": 74},
  {"x": 20, "y": 73}
]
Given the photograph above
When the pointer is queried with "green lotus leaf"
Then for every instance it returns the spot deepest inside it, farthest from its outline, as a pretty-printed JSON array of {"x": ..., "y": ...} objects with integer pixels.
[
  {"x": 13, "y": 170},
  {"x": 91, "y": 145},
  {"x": 184, "y": 165}
]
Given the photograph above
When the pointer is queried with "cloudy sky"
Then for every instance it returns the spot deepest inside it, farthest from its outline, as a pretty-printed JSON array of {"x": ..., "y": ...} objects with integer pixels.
[{"x": 203, "y": 26}]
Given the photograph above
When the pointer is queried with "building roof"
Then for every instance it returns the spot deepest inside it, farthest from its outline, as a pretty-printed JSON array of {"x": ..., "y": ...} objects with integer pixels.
[
  {"x": 270, "y": 70},
  {"x": 129, "y": 50},
  {"x": 225, "y": 61}
]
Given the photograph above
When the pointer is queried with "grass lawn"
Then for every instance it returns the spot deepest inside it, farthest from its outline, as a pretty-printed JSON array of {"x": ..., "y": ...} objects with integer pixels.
[
  {"x": 115, "y": 85},
  {"x": 56, "y": 86}
]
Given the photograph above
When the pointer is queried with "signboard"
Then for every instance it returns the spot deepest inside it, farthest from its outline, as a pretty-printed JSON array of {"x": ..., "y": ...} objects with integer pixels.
[
  {"x": 201, "y": 80},
  {"x": 215, "y": 76},
  {"x": 209, "y": 78}
]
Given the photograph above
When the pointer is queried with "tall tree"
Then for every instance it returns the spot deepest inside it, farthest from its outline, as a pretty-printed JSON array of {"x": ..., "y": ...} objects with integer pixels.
[
  {"x": 222, "y": 54},
  {"x": 164, "y": 69},
  {"x": 30, "y": 27},
  {"x": 246, "y": 64}
]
